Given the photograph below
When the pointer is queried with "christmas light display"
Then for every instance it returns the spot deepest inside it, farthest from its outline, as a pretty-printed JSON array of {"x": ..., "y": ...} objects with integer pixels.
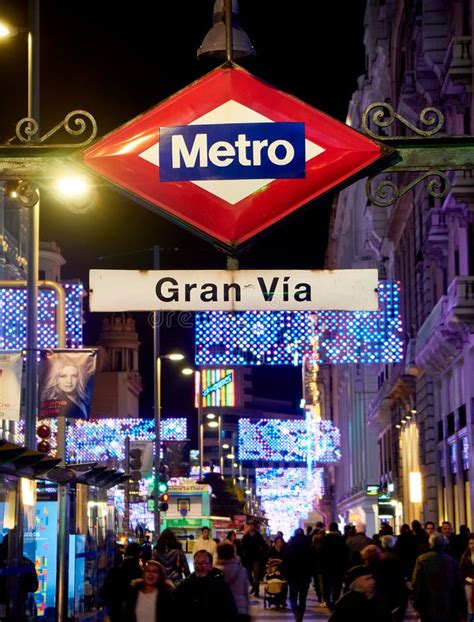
[
  {"x": 13, "y": 320},
  {"x": 287, "y": 494},
  {"x": 284, "y": 337},
  {"x": 99, "y": 440},
  {"x": 289, "y": 440}
]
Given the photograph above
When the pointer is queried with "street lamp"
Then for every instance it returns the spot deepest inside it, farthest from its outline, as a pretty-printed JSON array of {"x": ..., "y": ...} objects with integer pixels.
[{"x": 157, "y": 457}]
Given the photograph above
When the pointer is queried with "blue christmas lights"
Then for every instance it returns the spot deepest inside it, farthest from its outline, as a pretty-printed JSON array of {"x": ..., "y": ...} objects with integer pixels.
[
  {"x": 289, "y": 440},
  {"x": 284, "y": 337},
  {"x": 286, "y": 494},
  {"x": 13, "y": 317},
  {"x": 102, "y": 440}
]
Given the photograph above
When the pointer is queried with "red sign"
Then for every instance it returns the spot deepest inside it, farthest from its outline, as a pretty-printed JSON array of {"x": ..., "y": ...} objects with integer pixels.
[{"x": 230, "y": 156}]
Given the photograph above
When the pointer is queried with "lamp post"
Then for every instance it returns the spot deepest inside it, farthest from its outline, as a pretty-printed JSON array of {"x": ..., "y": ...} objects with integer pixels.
[{"x": 157, "y": 452}]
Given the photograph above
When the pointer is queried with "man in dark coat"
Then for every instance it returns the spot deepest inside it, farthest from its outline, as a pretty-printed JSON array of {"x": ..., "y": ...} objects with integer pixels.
[
  {"x": 334, "y": 563},
  {"x": 253, "y": 553},
  {"x": 438, "y": 591},
  {"x": 356, "y": 543},
  {"x": 204, "y": 596},
  {"x": 297, "y": 570},
  {"x": 360, "y": 602},
  {"x": 118, "y": 580}
]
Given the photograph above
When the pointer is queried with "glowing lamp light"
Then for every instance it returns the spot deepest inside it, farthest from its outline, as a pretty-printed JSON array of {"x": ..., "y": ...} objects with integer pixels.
[
  {"x": 176, "y": 356},
  {"x": 213, "y": 424},
  {"x": 415, "y": 488},
  {"x": 225, "y": 446},
  {"x": 5, "y": 30},
  {"x": 210, "y": 416},
  {"x": 230, "y": 456},
  {"x": 187, "y": 371},
  {"x": 72, "y": 186}
]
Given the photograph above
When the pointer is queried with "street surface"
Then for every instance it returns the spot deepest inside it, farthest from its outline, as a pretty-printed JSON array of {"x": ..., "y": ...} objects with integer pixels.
[{"x": 314, "y": 612}]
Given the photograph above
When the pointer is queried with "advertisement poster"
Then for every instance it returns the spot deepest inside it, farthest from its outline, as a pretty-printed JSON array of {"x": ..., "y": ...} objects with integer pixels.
[
  {"x": 11, "y": 364},
  {"x": 66, "y": 383}
]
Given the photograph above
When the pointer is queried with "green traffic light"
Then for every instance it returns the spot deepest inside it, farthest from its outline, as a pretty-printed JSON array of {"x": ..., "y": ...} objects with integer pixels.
[{"x": 162, "y": 487}]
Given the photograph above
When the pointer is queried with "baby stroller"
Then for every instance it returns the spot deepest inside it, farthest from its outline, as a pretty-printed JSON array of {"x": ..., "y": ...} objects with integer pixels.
[{"x": 275, "y": 586}]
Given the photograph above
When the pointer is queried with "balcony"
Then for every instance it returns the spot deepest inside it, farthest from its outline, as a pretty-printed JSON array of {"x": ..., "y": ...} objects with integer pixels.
[
  {"x": 458, "y": 67},
  {"x": 460, "y": 300},
  {"x": 441, "y": 337}
]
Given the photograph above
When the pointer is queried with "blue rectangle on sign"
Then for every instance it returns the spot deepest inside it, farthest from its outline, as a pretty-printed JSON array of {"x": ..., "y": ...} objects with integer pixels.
[{"x": 232, "y": 151}]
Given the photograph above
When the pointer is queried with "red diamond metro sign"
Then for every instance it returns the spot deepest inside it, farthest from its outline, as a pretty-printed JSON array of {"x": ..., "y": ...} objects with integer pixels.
[{"x": 229, "y": 156}]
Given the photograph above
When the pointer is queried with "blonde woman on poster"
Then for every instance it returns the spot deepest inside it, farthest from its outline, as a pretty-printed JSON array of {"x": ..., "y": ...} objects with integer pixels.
[{"x": 66, "y": 382}]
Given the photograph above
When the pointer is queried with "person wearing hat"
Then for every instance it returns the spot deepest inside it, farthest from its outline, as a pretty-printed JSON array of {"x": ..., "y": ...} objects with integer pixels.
[{"x": 360, "y": 602}]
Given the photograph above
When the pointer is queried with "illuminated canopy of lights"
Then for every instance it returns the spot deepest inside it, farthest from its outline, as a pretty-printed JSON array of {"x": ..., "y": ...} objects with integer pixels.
[
  {"x": 98, "y": 440},
  {"x": 289, "y": 440},
  {"x": 287, "y": 494},
  {"x": 284, "y": 337},
  {"x": 13, "y": 310}
]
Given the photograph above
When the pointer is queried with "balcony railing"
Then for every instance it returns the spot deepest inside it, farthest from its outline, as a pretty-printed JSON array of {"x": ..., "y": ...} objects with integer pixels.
[
  {"x": 434, "y": 319},
  {"x": 461, "y": 298},
  {"x": 458, "y": 65}
]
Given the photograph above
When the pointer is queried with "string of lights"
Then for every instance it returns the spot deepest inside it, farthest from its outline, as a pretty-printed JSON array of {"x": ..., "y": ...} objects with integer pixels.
[{"x": 285, "y": 337}]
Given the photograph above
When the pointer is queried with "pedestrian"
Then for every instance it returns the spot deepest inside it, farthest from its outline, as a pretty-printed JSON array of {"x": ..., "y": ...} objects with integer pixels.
[
  {"x": 204, "y": 543},
  {"x": 438, "y": 587},
  {"x": 356, "y": 543},
  {"x": 236, "y": 578},
  {"x": 407, "y": 549},
  {"x": 118, "y": 580},
  {"x": 204, "y": 596},
  {"x": 150, "y": 599},
  {"x": 146, "y": 550},
  {"x": 360, "y": 601},
  {"x": 467, "y": 571},
  {"x": 253, "y": 551},
  {"x": 169, "y": 552},
  {"x": 297, "y": 570},
  {"x": 451, "y": 547},
  {"x": 391, "y": 581},
  {"x": 278, "y": 548},
  {"x": 316, "y": 564},
  {"x": 334, "y": 564}
]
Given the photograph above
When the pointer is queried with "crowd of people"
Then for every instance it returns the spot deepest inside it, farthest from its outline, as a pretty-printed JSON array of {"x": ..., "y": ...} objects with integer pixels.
[{"x": 355, "y": 576}]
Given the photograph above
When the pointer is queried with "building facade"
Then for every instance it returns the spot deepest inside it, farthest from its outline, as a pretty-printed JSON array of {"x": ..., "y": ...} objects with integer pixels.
[{"x": 407, "y": 425}]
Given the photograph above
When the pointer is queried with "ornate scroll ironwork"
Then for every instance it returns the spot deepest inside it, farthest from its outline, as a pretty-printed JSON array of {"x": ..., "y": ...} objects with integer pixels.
[
  {"x": 76, "y": 123},
  {"x": 27, "y": 194},
  {"x": 387, "y": 193},
  {"x": 382, "y": 115}
]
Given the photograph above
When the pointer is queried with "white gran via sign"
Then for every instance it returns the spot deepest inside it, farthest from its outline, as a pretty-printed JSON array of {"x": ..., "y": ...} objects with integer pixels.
[{"x": 233, "y": 290}]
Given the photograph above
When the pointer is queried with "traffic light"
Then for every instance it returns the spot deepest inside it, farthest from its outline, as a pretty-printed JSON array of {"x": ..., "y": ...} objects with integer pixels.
[
  {"x": 140, "y": 459},
  {"x": 164, "y": 498},
  {"x": 163, "y": 477}
]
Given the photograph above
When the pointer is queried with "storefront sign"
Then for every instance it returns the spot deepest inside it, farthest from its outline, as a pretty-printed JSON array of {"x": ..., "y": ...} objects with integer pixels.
[{"x": 233, "y": 290}]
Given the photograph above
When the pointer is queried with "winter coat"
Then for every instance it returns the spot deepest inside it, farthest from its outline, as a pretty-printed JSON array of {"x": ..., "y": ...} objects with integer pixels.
[
  {"x": 334, "y": 554},
  {"x": 297, "y": 560},
  {"x": 117, "y": 584},
  {"x": 354, "y": 606},
  {"x": 253, "y": 549},
  {"x": 438, "y": 591},
  {"x": 205, "y": 599},
  {"x": 165, "y": 609},
  {"x": 355, "y": 544},
  {"x": 237, "y": 579},
  {"x": 175, "y": 564}
]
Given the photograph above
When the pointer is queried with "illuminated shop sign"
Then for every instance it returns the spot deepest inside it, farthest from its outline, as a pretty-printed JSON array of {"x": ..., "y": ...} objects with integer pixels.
[{"x": 216, "y": 388}]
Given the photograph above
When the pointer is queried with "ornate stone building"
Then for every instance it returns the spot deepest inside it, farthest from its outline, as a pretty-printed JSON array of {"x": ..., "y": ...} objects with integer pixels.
[{"x": 408, "y": 426}]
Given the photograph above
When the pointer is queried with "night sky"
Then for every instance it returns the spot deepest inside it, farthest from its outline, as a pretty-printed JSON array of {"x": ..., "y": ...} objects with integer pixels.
[{"x": 117, "y": 63}]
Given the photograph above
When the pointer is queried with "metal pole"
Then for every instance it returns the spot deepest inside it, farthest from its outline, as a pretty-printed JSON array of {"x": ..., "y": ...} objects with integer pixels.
[
  {"x": 221, "y": 458},
  {"x": 31, "y": 394},
  {"x": 157, "y": 387},
  {"x": 229, "y": 44},
  {"x": 126, "y": 517},
  {"x": 156, "y": 492}
]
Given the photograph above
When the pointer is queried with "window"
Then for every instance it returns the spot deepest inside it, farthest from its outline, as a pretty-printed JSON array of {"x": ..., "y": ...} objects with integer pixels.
[
  {"x": 440, "y": 431},
  {"x": 450, "y": 424},
  {"x": 462, "y": 416}
]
